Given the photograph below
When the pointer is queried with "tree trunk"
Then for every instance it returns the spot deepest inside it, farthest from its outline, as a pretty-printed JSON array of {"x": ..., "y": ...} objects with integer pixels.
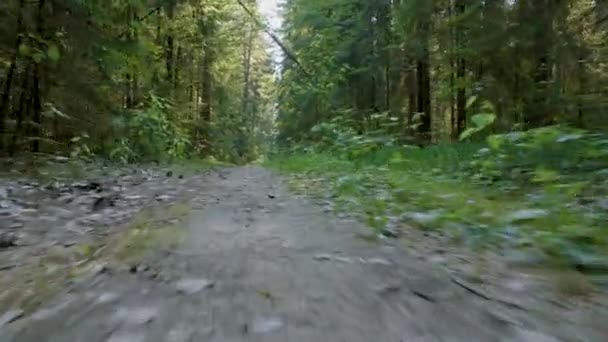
[
  {"x": 461, "y": 110},
  {"x": 423, "y": 76},
  {"x": 176, "y": 62},
  {"x": 22, "y": 110},
  {"x": 36, "y": 92},
  {"x": 170, "y": 46},
  {"x": 205, "y": 111},
  {"x": 537, "y": 110},
  {"x": 247, "y": 48},
  {"x": 5, "y": 100}
]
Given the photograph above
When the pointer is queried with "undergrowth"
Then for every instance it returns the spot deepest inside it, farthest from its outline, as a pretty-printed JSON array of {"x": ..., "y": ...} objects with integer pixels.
[{"x": 544, "y": 190}]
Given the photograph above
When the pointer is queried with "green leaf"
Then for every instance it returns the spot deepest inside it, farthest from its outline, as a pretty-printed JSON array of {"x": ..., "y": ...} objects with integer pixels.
[
  {"x": 24, "y": 50},
  {"x": 38, "y": 57},
  {"x": 53, "y": 53},
  {"x": 542, "y": 175},
  {"x": 495, "y": 141},
  {"x": 471, "y": 101},
  {"x": 468, "y": 132},
  {"x": 483, "y": 120}
]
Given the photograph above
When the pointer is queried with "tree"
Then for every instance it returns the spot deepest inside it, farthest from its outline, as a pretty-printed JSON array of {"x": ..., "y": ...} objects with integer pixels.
[{"x": 103, "y": 69}]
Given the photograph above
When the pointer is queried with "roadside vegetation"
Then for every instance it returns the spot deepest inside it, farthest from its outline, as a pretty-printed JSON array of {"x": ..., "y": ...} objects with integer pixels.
[{"x": 543, "y": 191}]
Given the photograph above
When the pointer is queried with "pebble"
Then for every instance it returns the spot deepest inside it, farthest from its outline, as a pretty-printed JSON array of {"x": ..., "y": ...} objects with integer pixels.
[
  {"x": 11, "y": 316},
  {"x": 136, "y": 316},
  {"x": 322, "y": 257},
  {"x": 127, "y": 336},
  {"x": 106, "y": 297},
  {"x": 267, "y": 325},
  {"x": 192, "y": 286}
]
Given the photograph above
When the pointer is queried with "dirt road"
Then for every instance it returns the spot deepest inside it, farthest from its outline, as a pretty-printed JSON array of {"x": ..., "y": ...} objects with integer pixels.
[{"x": 260, "y": 264}]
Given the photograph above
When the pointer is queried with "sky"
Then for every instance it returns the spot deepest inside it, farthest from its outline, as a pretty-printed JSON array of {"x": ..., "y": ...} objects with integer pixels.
[{"x": 270, "y": 10}]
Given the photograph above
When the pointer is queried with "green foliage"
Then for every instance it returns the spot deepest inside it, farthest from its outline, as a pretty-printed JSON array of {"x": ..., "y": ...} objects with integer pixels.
[
  {"x": 543, "y": 189},
  {"x": 480, "y": 121},
  {"x": 541, "y": 155},
  {"x": 92, "y": 64},
  {"x": 149, "y": 134}
]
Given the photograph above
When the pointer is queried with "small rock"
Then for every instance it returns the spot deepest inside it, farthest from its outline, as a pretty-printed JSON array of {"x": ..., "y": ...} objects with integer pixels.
[
  {"x": 142, "y": 268},
  {"x": 266, "y": 325},
  {"x": 5, "y": 204},
  {"x": 603, "y": 203},
  {"x": 322, "y": 257},
  {"x": 376, "y": 261},
  {"x": 106, "y": 297},
  {"x": 11, "y": 316},
  {"x": 423, "y": 218},
  {"x": 137, "y": 316},
  {"x": 104, "y": 202},
  {"x": 390, "y": 232},
  {"x": 529, "y": 335},
  {"x": 16, "y": 225},
  {"x": 527, "y": 215},
  {"x": 61, "y": 159},
  {"x": 98, "y": 268},
  {"x": 127, "y": 336},
  {"x": 524, "y": 257},
  {"x": 46, "y": 313},
  {"x": 8, "y": 240},
  {"x": 343, "y": 259},
  {"x": 139, "y": 268},
  {"x": 192, "y": 286},
  {"x": 163, "y": 198},
  {"x": 27, "y": 211}
]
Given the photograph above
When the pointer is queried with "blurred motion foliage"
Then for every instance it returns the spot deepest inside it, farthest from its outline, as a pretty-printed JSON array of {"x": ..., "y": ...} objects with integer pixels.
[
  {"x": 141, "y": 79},
  {"x": 482, "y": 119},
  {"x": 543, "y": 191}
]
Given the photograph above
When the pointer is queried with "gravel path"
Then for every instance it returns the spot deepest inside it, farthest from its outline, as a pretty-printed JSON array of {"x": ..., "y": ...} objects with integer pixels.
[{"x": 260, "y": 264}]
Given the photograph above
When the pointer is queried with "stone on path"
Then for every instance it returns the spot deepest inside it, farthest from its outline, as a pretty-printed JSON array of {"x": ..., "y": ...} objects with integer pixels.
[
  {"x": 190, "y": 286},
  {"x": 267, "y": 325},
  {"x": 11, "y": 316}
]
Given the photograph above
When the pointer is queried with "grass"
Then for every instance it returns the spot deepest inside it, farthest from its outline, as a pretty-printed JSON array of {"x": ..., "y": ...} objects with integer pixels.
[{"x": 441, "y": 188}]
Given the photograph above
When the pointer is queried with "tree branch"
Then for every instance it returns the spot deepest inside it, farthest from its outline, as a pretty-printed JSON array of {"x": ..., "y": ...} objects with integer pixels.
[{"x": 275, "y": 38}]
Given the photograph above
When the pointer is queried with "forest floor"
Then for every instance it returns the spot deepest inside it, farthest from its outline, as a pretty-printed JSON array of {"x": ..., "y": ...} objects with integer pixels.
[{"x": 231, "y": 254}]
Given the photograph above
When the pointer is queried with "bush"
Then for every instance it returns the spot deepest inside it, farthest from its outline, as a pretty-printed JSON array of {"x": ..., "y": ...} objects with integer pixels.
[
  {"x": 541, "y": 155},
  {"x": 149, "y": 134}
]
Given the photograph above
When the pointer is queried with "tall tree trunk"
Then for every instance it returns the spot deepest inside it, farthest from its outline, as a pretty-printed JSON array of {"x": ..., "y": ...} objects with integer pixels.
[
  {"x": 412, "y": 90},
  {"x": 23, "y": 109},
  {"x": 128, "y": 77},
  {"x": 453, "y": 40},
  {"x": 5, "y": 100},
  {"x": 36, "y": 92},
  {"x": 170, "y": 46},
  {"x": 176, "y": 62},
  {"x": 423, "y": 75},
  {"x": 461, "y": 110},
  {"x": 582, "y": 80},
  {"x": 537, "y": 110},
  {"x": 206, "y": 86},
  {"x": 247, "y": 49}
]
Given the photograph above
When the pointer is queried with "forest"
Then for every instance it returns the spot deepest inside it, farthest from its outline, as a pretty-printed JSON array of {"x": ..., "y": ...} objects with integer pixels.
[
  {"x": 442, "y": 126},
  {"x": 134, "y": 80},
  {"x": 332, "y": 170},
  {"x": 484, "y": 120}
]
